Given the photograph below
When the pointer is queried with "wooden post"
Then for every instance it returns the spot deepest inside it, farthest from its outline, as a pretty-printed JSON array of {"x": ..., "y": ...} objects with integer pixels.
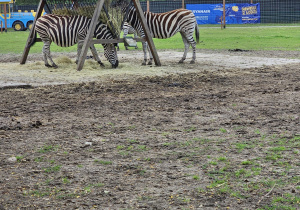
[
  {"x": 1, "y": 26},
  {"x": 148, "y": 6},
  {"x": 89, "y": 36},
  {"x": 251, "y": 1},
  {"x": 31, "y": 34},
  {"x": 224, "y": 19},
  {"x": 5, "y": 18},
  {"x": 148, "y": 35},
  {"x": 183, "y": 7}
]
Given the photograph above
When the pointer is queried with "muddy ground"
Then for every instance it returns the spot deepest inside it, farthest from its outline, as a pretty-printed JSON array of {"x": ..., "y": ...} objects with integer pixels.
[{"x": 221, "y": 134}]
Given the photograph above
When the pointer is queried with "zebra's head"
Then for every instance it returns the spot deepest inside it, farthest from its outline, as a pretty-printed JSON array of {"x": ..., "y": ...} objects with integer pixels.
[{"x": 110, "y": 54}]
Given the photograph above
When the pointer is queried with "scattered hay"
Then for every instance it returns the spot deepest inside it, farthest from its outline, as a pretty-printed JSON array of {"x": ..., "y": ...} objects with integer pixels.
[{"x": 64, "y": 60}]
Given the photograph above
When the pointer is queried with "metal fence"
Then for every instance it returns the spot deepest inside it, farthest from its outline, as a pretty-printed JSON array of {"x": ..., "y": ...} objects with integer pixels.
[{"x": 272, "y": 11}]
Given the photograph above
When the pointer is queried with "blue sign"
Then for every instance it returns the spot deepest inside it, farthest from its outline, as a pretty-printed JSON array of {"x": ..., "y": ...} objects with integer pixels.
[{"x": 234, "y": 13}]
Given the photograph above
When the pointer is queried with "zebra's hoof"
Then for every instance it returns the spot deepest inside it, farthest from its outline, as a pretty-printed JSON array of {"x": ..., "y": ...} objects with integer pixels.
[
  {"x": 192, "y": 62},
  {"x": 143, "y": 64},
  {"x": 101, "y": 64},
  {"x": 149, "y": 63},
  {"x": 47, "y": 65},
  {"x": 55, "y": 66},
  {"x": 181, "y": 61}
]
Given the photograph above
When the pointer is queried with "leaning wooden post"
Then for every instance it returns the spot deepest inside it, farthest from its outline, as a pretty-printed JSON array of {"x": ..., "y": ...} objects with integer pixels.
[
  {"x": 31, "y": 34},
  {"x": 89, "y": 36},
  {"x": 148, "y": 35}
]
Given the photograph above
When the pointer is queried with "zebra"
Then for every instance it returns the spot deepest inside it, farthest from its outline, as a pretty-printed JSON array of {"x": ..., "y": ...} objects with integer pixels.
[
  {"x": 66, "y": 31},
  {"x": 165, "y": 25},
  {"x": 128, "y": 29}
]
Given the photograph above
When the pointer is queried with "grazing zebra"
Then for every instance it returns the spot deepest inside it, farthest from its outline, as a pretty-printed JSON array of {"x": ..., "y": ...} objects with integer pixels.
[
  {"x": 166, "y": 25},
  {"x": 66, "y": 31}
]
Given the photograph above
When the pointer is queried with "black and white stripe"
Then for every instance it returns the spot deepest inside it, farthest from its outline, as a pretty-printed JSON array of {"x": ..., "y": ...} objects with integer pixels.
[
  {"x": 66, "y": 31},
  {"x": 128, "y": 29},
  {"x": 166, "y": 25}
]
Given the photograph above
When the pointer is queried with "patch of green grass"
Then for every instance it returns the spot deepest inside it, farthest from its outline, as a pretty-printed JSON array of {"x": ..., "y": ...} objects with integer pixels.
[
  {"x": 213, "y": 163},
  {"x": 277, "y": 149},
  {"x": 39, "y": 159},
  {"x": 65, "y": 180},
  {"x": 103, "y": 162},
  {"x": 223, "y": 130},
  {"x": 47, "y": 148},
  {"x": 195, "y": 177},
  {"x": 222, "y": 159},
  {"x": 246, "y": 162},
  {"x": 52, "y": 169},
  {"x": 251, "y": 37},
  {"x": 19, "y": 158},
  {"x": 191, "y": 129}
]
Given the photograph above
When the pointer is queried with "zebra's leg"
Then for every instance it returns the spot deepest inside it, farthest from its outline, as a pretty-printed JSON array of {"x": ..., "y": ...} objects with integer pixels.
[
  {"x": 186, "y": 47},
  {"x": 135, "y": 36},
  {"x": 145, "y": 52},
  {"x": 95, "y": 55},
  {"x": 124, "y": 35},
  {"x": 47, "y": 55},
  {"x": 79, "y": 47},
  {"x": 193, "y": 44},
  {"x": 150, "y": 56}
]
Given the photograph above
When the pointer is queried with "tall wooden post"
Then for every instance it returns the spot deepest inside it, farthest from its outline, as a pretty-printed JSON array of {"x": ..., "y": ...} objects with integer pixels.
[
  {"x": 31, "y": 34},
  {"x": 183, "y": 7},
  {"x": 89, "y": 36},
  {"x": 224, "y": 19},
  {"x": 148, "y": 6},
  {"x": 5, "y": 18},
  {"x": 147, "y": 32}
]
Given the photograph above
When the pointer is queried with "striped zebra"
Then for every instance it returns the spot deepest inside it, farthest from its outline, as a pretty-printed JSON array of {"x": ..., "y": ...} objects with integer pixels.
[
  {"x": 166, "y": 25},
  {"x": 66, "y": 31},
  {"x": 128, "y": 29}
]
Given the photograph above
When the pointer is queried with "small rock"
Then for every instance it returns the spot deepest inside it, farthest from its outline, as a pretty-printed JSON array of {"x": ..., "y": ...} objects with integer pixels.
[
  {"x": 12, "y": 159},
  {"x": 88, "y": 143}
]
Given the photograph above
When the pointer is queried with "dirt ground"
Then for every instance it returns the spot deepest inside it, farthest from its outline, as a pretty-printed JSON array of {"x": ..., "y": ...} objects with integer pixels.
[{"x": 220, "y": 134}]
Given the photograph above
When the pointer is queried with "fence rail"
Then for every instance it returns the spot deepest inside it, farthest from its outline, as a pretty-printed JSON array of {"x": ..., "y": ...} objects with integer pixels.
[{"x": 272, "y": 11}]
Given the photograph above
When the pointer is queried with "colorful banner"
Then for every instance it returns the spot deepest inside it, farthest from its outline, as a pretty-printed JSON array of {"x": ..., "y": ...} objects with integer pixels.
[{"x": 234, "y": 13}]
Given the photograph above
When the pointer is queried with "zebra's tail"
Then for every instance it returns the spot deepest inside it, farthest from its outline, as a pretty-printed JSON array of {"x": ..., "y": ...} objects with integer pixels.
[
  {"x": 197, "y": 32},
  {"x": 33, "y": 40}
]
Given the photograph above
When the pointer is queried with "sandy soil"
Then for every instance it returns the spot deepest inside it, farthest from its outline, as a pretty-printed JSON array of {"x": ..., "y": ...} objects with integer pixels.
[
  {"x": 34, "y": 73},
  {"x": 221, "y": 134}
]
